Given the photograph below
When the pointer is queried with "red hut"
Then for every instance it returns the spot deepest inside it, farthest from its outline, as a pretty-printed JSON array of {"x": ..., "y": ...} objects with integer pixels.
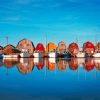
[
  {"x": 89, "y": 48},
  {"x": 39, "y": 50},
  {"x": 89, "y": 64},
  {"x": 73, "y": 49}
]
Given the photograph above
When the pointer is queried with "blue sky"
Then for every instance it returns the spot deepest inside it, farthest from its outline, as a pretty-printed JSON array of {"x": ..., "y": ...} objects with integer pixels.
[{"x": 60, "y": 20}]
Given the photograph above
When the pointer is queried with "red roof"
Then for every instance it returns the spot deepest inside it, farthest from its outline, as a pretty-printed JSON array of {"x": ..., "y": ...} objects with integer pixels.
[
  {"x": 40, "y": 47},
  {"x": 88, "y": 45}
]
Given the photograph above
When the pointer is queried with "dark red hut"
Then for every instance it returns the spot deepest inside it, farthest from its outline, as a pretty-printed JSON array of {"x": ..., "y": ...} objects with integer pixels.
[
  {"x": 89, "y": 48},
  {"x": 73, "y": 49}
]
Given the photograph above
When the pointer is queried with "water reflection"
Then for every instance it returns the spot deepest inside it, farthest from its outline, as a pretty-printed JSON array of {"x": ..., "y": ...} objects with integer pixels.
[{"x": 26, "y": 65}]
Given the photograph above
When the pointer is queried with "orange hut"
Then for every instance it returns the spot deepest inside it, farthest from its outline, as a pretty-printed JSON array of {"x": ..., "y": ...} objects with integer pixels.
[
  {"x": 73, "y": 49},
  {"x": 51, "y": 50},
  {"x": 89, "y": 48}
]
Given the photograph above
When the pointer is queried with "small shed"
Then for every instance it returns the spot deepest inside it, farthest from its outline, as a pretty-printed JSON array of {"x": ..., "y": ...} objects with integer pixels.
[
  {"x": 26, "y": 46},
  {"x": 40, "y": 48},
  {"x": 73, "y": 49},
  {"x": 89, "y": 48},
  {"x": 61, "y": 48},
  {"x": 10, "y": 49},
  {"x": 50, "y": 47}
]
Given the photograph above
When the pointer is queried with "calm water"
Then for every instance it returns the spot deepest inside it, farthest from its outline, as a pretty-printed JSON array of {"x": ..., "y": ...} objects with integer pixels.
[{"x": 50, "y": 79}]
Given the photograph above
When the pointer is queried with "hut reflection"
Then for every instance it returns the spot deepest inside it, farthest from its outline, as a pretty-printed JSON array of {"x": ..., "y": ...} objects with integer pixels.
[
  {"x": 97, "y": 63},
  {"x": 89, "y": 64},
  {"x": 25, "y": 66},
  {"x": 8, "y": 63},
  {"x": 62, "y": 64},
  {"x": 51, "y": 63},
  {"x": 39, "y": 62},
  {"x": 73, "y": 64}
]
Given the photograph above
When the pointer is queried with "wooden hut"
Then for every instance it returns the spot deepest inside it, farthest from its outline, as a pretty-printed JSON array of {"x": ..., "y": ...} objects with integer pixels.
[
  {"x": 97, "y": 47},
  {"x": 39, "y": 50},
  {"x": 51, "y": 50},
  {"x": 73, "y": 64},
  {"x": 1, "y": 49},
  {"x": 10, "y": 50},
  {"x": 26, "y": 46},
  {"x": 61, "y": 64},
  {"x": 25, "y": 66},
  {"x": 61, "y": 47},
  {"x": 89, "y": 64},
  {"x": 89, "y": 48},
  {"x": 73, "y": 49}
]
